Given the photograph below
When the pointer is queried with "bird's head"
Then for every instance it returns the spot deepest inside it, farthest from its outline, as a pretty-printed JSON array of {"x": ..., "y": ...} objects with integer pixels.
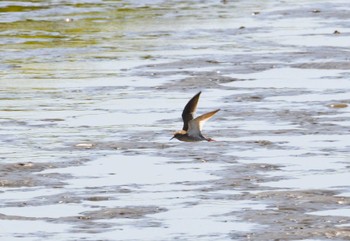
[{"x": 178, "y": 134}]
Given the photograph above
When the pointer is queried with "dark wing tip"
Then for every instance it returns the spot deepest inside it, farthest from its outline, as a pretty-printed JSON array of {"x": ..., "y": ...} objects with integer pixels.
[{"x": 189, "y": 110}]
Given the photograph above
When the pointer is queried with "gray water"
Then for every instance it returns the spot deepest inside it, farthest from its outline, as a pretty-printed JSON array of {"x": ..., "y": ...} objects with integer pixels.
[{"x": 92, "y": 91}]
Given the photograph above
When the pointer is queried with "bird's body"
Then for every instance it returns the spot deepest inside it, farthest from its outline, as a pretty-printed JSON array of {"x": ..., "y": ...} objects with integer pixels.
[{"x": 191, "y": 130}]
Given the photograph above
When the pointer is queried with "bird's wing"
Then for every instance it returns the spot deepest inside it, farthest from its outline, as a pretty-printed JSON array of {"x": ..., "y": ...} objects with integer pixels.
[
  {"x": 196, "y": 125},
  {"x": 189, "y": 111}
]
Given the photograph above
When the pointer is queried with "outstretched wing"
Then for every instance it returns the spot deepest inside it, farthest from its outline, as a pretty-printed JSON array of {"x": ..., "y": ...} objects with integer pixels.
[
  {"x": 189, "y": 110},
  {"x": 196, "y": 125}
]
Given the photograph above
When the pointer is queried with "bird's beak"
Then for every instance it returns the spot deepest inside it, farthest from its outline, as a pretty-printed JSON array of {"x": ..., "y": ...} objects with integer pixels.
[{"x": 172, "y": 138}]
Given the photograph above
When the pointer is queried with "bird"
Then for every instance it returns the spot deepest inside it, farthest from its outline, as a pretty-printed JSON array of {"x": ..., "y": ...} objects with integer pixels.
[{"x": 191, "y": 130}]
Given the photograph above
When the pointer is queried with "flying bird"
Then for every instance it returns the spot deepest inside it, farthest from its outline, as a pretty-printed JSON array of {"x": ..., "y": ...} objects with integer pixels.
[{"x": 191, "y": 130}]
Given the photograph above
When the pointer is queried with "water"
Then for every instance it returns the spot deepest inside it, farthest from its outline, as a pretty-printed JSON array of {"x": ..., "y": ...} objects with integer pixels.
[{"x": 91, "y": 92}]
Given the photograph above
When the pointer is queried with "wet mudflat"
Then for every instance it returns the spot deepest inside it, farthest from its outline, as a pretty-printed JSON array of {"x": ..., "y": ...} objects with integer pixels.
[{"x": 91, "y": 93}]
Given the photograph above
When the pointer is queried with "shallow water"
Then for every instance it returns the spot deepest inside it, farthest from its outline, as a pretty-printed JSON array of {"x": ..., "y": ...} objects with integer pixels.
[{"x": 91, "y": 92}]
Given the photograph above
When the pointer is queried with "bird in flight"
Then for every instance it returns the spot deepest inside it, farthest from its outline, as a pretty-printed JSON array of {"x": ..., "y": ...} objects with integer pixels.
[{"x": 191, "y": 130}]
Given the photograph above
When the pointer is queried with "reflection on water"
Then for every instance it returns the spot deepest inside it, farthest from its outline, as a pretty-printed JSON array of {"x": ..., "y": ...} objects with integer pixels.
[{"x": 115, "y": 75}]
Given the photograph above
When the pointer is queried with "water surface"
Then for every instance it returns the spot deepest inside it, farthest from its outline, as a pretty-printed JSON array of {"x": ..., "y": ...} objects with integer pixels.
[{"x": 91, "y": 92}]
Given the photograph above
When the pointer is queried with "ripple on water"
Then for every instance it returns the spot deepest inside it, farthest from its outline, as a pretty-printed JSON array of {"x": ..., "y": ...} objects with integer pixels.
[
  {"x": 174, "y": 187},
  {"x": 344, "y": 212},
  {"x": 314, "y": 79},
  {"x": 31, "y": 230},
  {"x": 126, "y": 170}
]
